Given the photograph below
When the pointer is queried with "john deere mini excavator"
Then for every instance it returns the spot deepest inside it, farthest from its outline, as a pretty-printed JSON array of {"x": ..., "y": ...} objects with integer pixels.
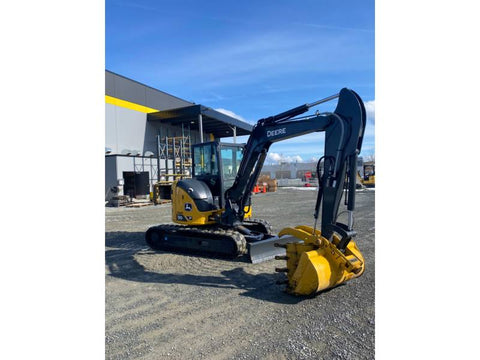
[{"x": 213, "y": 209}]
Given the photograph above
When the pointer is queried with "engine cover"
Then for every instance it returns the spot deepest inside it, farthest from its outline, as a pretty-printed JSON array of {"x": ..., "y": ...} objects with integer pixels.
[{"x": 192, "y": 203}]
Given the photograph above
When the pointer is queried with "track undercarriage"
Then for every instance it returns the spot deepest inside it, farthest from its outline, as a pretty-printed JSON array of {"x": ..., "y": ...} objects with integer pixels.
[{"x": 252, "y": 237}]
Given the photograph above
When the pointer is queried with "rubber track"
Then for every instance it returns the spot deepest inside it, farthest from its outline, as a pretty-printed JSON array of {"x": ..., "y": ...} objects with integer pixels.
[
  {"x": 208, "y": 233},
  {"x": 265, "y": 223}
]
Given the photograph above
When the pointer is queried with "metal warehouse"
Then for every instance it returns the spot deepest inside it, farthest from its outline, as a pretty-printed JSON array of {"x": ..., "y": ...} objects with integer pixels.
[{"x": 149, "y": 133}]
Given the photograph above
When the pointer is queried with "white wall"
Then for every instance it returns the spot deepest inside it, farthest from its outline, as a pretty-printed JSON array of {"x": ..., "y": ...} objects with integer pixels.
[
  {"x": 124, "y": 129},
  {"x": 129, "y": 129}
]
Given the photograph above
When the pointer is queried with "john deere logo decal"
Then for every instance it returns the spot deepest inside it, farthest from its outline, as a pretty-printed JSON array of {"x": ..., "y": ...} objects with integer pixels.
[{"x": 188, "y": 207}]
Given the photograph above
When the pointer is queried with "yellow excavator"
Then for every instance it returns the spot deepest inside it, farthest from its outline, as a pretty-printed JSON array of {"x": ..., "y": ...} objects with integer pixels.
[
  {"x": 212, "y": 210},
  {"x": 368, "y": 175}
]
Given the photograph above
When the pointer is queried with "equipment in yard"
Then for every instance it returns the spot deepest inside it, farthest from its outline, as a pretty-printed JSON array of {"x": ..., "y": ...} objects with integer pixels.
[
  {"x": 368, "y": 175},
  {"x": 214, "y": 207}
]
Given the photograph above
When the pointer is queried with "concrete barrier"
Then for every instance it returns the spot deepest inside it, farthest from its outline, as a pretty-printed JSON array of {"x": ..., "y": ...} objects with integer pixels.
[{"x": 290, "y": 182}]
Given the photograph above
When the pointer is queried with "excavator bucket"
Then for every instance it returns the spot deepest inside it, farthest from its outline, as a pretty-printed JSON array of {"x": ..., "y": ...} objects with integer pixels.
[{"x": 315, "y": 264}]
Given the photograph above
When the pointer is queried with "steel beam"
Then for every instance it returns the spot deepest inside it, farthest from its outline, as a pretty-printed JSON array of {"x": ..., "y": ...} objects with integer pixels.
[{"x": 200, "y": 125}]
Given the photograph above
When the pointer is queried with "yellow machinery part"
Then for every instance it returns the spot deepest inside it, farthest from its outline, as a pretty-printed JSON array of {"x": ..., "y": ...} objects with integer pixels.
[
  {"x": 248, "y": 212},
  {"x": 190, "y": 215},
  {"x": 317, "y": 264},
  {"x": 370, "y": 181}
]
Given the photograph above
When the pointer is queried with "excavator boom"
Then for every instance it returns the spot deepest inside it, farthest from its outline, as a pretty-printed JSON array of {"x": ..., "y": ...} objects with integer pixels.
[{"x": 344, "y": 130}]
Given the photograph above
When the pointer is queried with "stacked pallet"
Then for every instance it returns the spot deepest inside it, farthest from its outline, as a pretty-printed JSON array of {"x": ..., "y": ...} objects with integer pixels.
[{"x": 265, "y": 182}]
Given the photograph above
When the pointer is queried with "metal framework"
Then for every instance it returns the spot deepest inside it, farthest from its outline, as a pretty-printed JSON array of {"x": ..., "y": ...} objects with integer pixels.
[{"x": 175, "y": 150}]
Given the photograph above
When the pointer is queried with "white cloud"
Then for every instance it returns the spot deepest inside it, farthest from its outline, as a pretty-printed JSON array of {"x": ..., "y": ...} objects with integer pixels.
[
  {"x": 370, "y": 109},
  {"x": 278, "y": 158},
  {"x": 256, "y": 58},
  {"x": 231, "y": 113}
]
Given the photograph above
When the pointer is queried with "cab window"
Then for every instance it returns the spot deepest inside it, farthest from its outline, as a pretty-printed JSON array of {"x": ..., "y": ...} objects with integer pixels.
[
  {"x": 239, "y": 152},
  {"x": 205, "y": 160},
  {"x": 228, "y": 166},
  {"x": 231, "y": 158}
]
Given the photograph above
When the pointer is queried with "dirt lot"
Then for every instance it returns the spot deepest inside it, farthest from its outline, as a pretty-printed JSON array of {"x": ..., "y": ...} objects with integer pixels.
[{"x": 163, "y": 305}]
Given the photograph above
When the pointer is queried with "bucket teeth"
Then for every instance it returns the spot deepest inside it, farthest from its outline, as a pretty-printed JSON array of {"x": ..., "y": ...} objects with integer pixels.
[
  {"x": 281, "y": 257},
  {"x": 281, "y": 269},
  {"x": 280, "y": 245}
]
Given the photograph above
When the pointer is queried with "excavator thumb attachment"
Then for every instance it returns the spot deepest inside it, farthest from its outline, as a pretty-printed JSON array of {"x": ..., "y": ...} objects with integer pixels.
[{"x": 317, "y": 264}]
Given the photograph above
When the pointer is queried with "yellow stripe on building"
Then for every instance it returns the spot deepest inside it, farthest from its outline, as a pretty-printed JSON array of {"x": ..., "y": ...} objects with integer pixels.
[{"x": 129, "y": 105}]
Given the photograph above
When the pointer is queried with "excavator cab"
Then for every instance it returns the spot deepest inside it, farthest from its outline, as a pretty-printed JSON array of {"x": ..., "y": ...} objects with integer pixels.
[
  {"x": 201, "y": 199},
  {"x": 216, "y": 164}
]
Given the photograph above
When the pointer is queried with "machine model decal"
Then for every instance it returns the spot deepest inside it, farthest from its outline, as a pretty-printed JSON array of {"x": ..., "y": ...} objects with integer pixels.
[{"x": 180, "y": 217}]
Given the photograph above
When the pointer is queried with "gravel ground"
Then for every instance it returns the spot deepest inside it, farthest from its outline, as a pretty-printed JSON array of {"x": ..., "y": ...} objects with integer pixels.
[{"x": 163, "y": 305}]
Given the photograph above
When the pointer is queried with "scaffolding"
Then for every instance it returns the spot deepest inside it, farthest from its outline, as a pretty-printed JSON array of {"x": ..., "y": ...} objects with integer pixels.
[{"x": 174, "y": 157}]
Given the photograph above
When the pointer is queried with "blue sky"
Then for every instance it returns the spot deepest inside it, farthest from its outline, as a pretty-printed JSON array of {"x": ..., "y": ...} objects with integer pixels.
[{"x": 249, "y": 58}]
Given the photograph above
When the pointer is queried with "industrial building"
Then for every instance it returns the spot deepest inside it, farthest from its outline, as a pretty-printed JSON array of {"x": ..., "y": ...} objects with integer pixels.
[
  {"x": 149, "y": 133},
  {"x": 297, "y": 170},
  {"x": 293, "y": 170}
]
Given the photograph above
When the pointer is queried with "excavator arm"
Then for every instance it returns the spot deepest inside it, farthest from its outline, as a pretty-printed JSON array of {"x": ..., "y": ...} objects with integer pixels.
[
  {"x": 344, "y": 129},
  {"x": 316, "y": 259}
]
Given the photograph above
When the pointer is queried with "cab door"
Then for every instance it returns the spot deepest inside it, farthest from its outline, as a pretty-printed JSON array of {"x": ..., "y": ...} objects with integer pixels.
[
  {"x": 206, "y": 168},
  {"x": 230, "y": 159}
]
